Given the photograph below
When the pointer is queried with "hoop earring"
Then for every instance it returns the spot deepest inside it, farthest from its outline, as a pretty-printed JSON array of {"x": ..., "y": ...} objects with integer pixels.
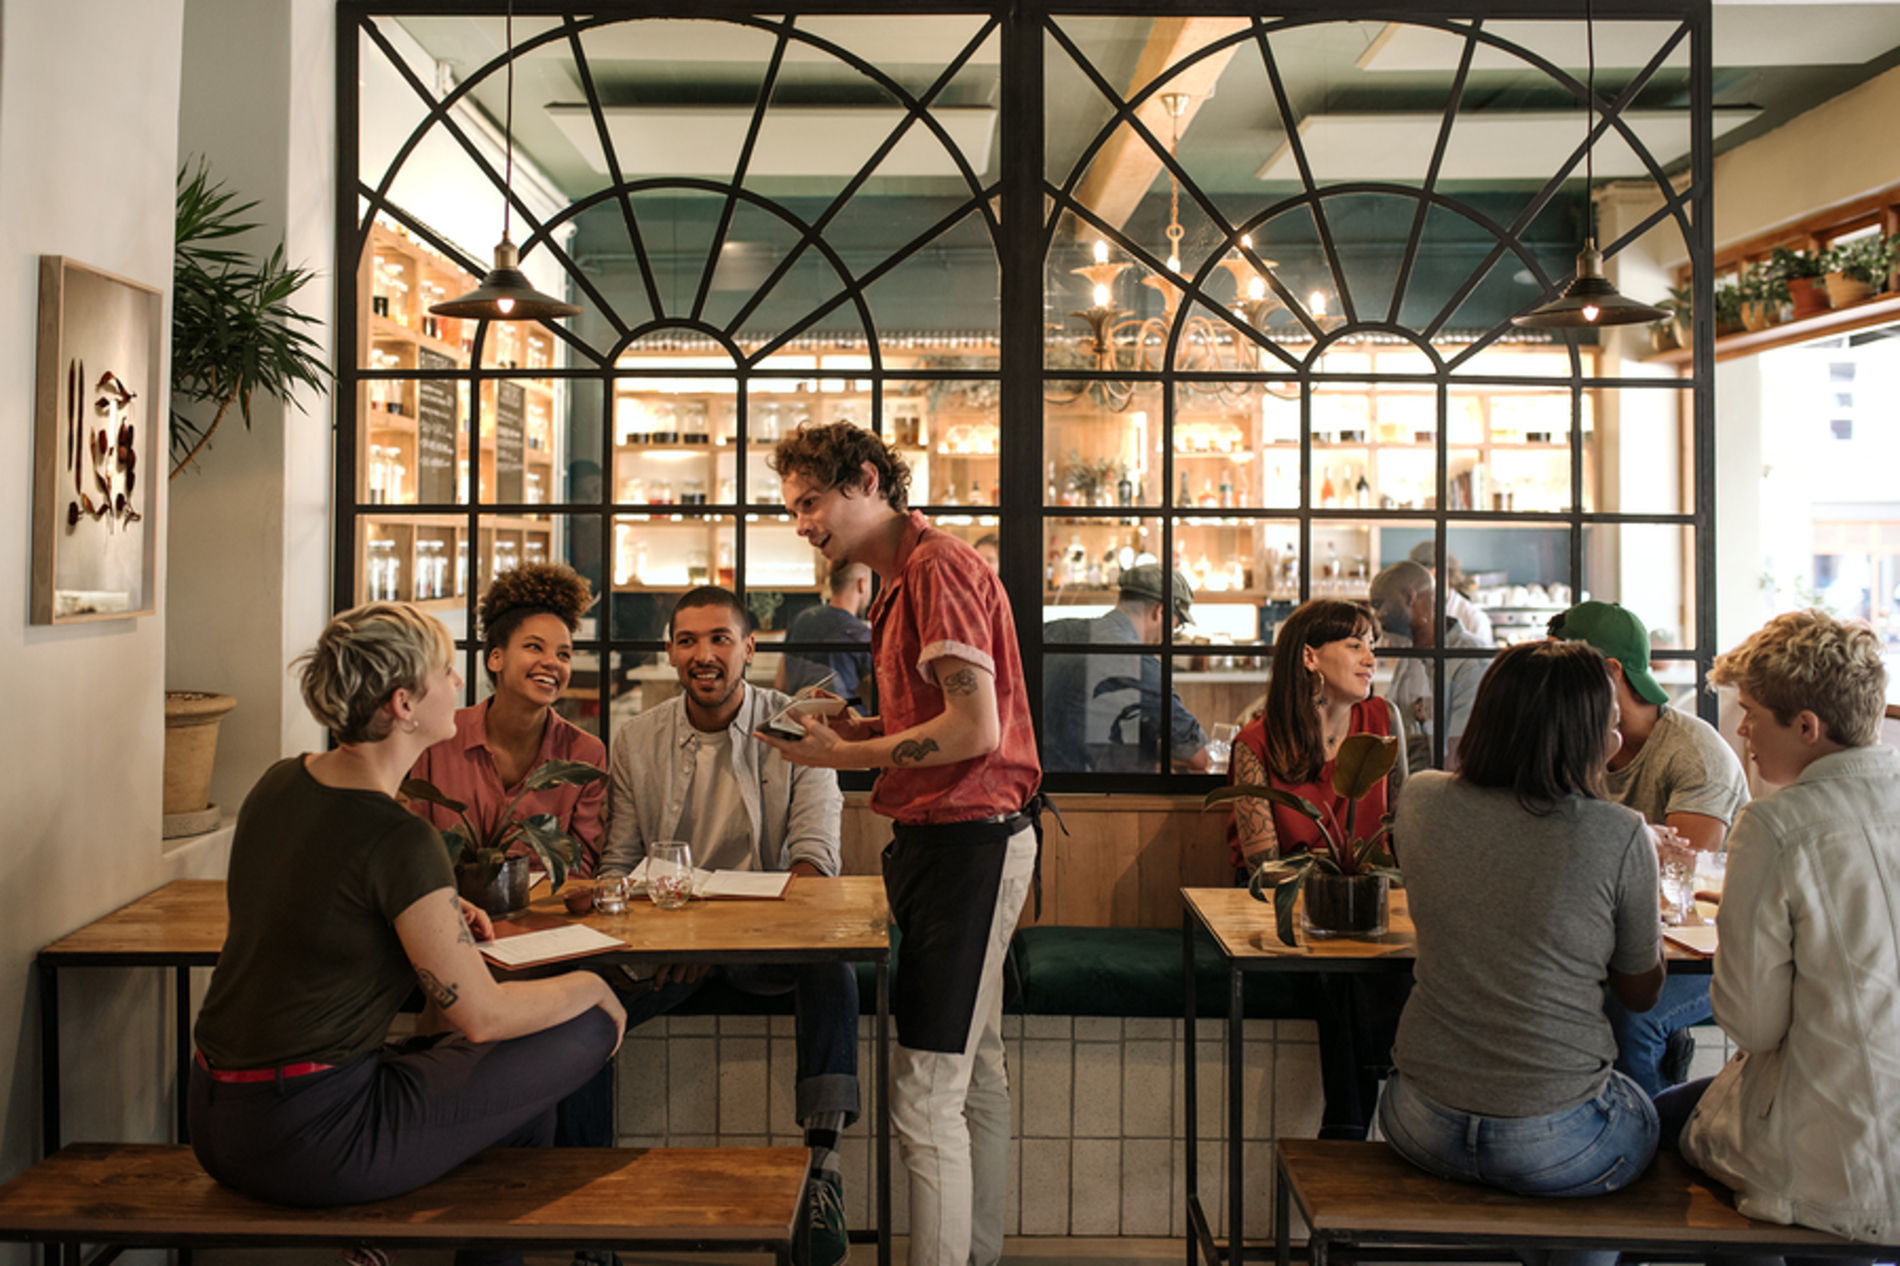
[{"x": 412, "y": 726}]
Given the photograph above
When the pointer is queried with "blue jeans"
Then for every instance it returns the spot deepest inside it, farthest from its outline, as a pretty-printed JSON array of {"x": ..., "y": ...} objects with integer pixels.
[
  {"x": 825, "y": 1002},
  {"x": 1642, "y": 1036},
  {"x": 1589, "y": 1150}
]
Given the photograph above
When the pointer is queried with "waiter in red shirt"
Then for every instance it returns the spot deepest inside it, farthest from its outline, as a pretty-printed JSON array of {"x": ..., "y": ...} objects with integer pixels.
[{"x": 957, "y": 756}]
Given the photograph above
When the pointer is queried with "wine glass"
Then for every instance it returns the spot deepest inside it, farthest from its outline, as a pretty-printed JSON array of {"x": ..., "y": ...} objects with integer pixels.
[{"x": 670, "y": 873}]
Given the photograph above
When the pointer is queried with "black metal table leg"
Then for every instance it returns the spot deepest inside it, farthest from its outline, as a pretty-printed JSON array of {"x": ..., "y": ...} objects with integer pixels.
[
  {"x": 883, "y": 1060},
  {"x": 49, "y": 1062},
  {"x": 1236, "y": 1053},
  {"x": 181, "y": 1002}
]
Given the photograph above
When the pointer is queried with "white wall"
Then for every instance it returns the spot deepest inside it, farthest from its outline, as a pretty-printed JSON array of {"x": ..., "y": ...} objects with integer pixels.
[
  {"x": 88, "y": 97},
  {"x": 250, "y": 532}
]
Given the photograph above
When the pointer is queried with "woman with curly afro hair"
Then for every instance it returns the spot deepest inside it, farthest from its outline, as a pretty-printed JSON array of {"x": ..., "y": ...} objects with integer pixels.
[{"x": 528, "y": 620}]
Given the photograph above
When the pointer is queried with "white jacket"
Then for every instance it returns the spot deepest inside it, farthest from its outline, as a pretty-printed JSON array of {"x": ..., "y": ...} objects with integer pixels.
[{"x": 1804, "y": 1123}]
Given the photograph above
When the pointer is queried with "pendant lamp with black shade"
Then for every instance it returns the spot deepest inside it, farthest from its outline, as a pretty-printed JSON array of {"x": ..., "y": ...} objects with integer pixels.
[
  {"x": 505, "y": 294},
  {"x": 1590, "y": 300}
]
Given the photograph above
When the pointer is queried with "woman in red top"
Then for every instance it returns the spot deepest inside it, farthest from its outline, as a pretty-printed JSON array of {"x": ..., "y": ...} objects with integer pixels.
[{"x": 1320, "y": 691}]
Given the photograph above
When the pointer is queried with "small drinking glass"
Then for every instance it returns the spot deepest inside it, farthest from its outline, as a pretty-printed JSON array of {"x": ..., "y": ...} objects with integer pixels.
[
  {"x": 610, "y": 895},
  {"x": 1678, "y": 891},
  {"x": 1220, "y": 747},
  {"x": 670, "y": 873}
]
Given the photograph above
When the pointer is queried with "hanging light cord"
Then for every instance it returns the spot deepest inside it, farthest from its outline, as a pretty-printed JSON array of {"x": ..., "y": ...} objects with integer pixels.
[
  {"x": 1589, "y": 125},
  {"x": 508, "y": 129}
]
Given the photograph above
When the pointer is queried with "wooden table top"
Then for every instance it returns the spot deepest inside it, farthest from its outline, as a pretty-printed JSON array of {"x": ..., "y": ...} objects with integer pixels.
[
  {"x": 1244, "y": 929},
  {"x": 184, "y": 923},
  {"x": 845, "y": 917}
]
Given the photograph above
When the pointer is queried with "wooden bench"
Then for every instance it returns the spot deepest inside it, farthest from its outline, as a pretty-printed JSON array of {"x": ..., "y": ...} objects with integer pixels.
[
  {"x": 1355, "y": 1195},
  {"x": 156, "y": 1195}
]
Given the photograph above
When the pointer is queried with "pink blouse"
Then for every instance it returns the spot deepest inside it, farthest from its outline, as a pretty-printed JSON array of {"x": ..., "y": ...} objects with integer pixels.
[{"x": 464, "y": 769}]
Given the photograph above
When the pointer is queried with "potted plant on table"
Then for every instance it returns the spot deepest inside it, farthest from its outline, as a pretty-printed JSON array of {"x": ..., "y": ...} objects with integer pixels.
[
  {"x": 492, "y": 860},
  {"x": 1344, "y": 883},
  {"x": 1859, "y": 267}
]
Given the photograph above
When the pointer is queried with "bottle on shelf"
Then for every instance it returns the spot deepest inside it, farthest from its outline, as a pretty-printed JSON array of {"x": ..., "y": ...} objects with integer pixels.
[
  {"x": 1362, "y": 491},
  {"x": 1053, "y": 491},
  {"x": 1208, "y": 499},
  {"x": 976, "y": 493},
  {"x": 1186, "y": 498},
  {"x": 949, "y": 493},
  {"x": 1328, "y": 495},
  {"x": 1078, "y": 561},
  {"x": 1227, "y": 490},
  {"x": 1124, "y": 490}
]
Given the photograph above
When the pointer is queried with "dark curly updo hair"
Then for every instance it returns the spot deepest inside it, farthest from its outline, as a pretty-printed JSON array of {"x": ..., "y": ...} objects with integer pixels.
[{"x": 532, "y": 589}]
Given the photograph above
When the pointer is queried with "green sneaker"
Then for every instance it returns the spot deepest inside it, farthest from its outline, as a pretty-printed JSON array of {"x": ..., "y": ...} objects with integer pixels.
[{"x": 828, "y": 1242}]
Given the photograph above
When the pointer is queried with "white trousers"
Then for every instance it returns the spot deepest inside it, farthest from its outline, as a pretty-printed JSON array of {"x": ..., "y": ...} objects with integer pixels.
[{"x": 951, "y": 1111}]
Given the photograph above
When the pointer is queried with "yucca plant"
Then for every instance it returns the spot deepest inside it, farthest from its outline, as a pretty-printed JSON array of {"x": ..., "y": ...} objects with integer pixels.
[
  {"x": 234, "y": 332},
  {"x": 487, "y": 845},
  {"x": 1363, "y": 760}
]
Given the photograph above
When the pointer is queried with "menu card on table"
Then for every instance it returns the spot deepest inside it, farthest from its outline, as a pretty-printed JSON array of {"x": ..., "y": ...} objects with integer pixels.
[
  {"x": 540, "y": 938},
  {"x": 727, "y": 885}
]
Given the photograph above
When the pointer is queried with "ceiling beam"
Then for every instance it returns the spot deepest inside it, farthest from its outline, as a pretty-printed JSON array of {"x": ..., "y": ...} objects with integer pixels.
[{"x": 1125, "y": 167}]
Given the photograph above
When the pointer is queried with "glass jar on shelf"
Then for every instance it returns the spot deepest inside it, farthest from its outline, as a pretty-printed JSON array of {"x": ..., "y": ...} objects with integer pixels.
[
  {"x": 666, "y": 422},
  {"x": 695, "y": 423},
  {"x": 507, "y": 556},
  {"x": 660, "y": 492},
  {"x": 633, "y": 491},
  {"x": 461, "y": 566},
  {"x": 693, "y": 492},
  {"x": 769, "y": 420}
]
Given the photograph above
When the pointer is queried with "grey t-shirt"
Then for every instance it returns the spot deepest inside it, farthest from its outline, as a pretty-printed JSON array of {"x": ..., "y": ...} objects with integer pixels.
[
  {"x": 1520, "y": 919},
  {"x": 1685, "y": 767},
  {"x": 715, "y": 818}
]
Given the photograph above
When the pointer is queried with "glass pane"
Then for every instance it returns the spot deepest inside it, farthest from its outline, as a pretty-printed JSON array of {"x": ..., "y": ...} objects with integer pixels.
[
  {"x": 1085, "y": 557},
  {"x": 1097, "y": 457},
  {"x": 1650, "y": 569},
  {"x": 956, "y": 461},
  {"x": 1518, "y": 577},
  {"x": 1652, "y": 469},
  {"x": 1344, "y": 558}
]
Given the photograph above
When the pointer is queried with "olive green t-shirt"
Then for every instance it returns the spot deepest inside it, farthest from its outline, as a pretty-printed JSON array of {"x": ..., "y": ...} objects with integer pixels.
[{"x": 312, "y": 969}]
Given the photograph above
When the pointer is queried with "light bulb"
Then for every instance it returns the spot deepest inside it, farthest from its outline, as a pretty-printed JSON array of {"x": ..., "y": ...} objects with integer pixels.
[
  {"x": 506, "y": 305},
  {"x": 1257, "y": 289},
  {"x": 1246, "y": 241},
  {"x": 1101, "y": 296},
  {"x": 1101, "y": 252},
  {"x": 1591, "y": 312},
  {"x": 1316, "y": 303},
  {"x": 1174, "y": 263}
]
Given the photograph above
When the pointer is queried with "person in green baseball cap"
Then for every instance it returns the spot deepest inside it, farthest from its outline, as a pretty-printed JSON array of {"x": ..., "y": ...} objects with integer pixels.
[{"x": 1678, "y": 772}]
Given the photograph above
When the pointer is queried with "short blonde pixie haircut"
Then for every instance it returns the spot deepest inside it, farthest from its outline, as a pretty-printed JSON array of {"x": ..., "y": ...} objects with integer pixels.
[
  {"x": 1810, "y": 660},
  {"x": 364, "y": 656}
]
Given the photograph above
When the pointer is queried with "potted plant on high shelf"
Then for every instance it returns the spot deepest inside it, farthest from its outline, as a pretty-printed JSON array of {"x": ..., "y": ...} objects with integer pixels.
[
  {"x": 1672, "y": 331},
  {"x": 489, "y": 870},
  {"x": 234, "y": 334},
  {"x": 1344, "y": 882},
  {"x": 1860, "y": 267},
  {"x": 1801, "y": 272},
  {"x": 1728, "y": 309},
  {"x": 1763, "y": 294}
]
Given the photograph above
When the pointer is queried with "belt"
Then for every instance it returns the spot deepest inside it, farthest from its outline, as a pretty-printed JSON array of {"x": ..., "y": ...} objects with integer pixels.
[{"x": 261, "y": 1074}]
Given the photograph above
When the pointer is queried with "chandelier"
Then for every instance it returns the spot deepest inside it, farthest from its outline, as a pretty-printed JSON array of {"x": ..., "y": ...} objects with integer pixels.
[{"x": 1118, "y": 342}]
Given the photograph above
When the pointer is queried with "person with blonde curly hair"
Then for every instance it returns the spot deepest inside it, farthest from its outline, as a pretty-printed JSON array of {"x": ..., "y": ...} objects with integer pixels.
[
  {"x": 1802, "y": 1121},
  {"x": 528, "y": 620},
  {"x": 341, "y": 904}
]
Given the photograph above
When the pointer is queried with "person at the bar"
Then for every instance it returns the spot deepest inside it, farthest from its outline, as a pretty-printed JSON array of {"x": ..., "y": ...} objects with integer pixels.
[
  {"x": 1504, "y": 1057},
  {"x": 838, "y": 619},
  {"x": 1678, "y": 772},
  {"x": 341, "y": 903},
  {"x": 1105, "y": 712},
  {"x": 1804, "y": 1122},
  {"x": 1403, "y": 596},
  {"x": 690, "y": 769},
  {"x": 958, "y": 775},
  {"x": 1320, "y": 691},
  {"x": 528, "y": 620}
]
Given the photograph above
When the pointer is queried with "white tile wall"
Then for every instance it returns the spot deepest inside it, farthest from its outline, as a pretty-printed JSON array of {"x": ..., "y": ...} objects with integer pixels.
[{"x": 1097, "y": 1110}]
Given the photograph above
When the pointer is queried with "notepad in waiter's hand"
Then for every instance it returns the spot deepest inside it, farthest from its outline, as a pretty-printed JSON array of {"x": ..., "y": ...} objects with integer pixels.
[
  {"x": 1697, "y": 940},
  {"x": 549, "y": 945}
]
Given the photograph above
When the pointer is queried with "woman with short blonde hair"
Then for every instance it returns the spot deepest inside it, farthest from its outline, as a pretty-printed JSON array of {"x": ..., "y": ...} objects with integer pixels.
[
  {"x": 1802, "y": 1121},
  {"x": 341, "y": 903}
]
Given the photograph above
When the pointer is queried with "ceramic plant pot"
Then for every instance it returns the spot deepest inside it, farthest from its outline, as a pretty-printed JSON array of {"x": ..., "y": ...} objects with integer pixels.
[
  {"x": 192, "y": 718},
  {"x": 1844, "y": 291},
  {"x": 1343, "y": 905},
  {"x": 502, "y": 893}
]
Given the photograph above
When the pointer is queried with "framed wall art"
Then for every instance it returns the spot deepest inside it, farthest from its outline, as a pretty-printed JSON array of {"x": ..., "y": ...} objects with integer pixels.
[{"x": 97, "y": 418}]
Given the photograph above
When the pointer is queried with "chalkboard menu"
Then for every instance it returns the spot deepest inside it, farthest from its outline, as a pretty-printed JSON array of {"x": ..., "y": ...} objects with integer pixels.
[
  {"x": 511, "y": 418},
  {"x": 435, "y": 431}
]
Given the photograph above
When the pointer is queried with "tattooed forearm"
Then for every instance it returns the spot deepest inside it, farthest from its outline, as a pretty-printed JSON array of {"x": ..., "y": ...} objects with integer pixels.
[
  {"x": 960, "y": 682},
  {"x": 439, "y": 991},
  {"x": 1253, "y": 818},
  {"x": 911, "y": 751},
  {"x": 462, "y": 936}
]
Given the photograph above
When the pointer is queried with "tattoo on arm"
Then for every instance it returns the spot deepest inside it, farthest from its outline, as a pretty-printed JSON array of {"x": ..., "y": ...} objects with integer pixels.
[
  {"x": 911, "y": 751},
  {"x": 1253, "y": 818},
  {"x": 462, "y": 935},
  {"x": 960, "y": 682},
  {"x": 439, "y": 991}
]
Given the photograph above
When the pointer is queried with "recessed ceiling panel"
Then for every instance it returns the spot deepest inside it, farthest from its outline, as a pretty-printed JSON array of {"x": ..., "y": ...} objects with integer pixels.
[
  {"x": 794, "y": 140},
  {"x": 1743, "y": 35},
  {"x": 1397, "y": 147}
]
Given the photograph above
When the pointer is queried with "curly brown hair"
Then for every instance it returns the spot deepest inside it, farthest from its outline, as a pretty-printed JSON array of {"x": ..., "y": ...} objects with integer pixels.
[
  {"x": 833, "y": 456},
  {"x": 532, "y": 589}
]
